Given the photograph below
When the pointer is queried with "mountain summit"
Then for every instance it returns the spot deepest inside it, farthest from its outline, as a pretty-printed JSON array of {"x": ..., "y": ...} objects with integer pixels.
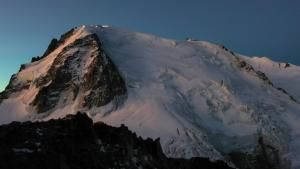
[{"x": 200, "y": 99}]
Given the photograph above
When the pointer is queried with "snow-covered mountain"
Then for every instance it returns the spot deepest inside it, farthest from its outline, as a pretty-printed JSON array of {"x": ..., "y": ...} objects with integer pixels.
[{"x": 199, "y": 98}]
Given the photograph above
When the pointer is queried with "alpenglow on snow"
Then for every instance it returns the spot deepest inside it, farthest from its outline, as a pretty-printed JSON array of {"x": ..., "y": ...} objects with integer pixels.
[{"x": 199, "y": 98}]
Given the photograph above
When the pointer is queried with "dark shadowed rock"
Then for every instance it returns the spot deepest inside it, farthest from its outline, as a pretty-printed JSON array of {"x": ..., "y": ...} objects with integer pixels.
[
  {"x": 286, "y": 65},
  {"x": 22, "y": 67},
  {"x": 105, "y": 80},
  {"x": 264, "y": 157},
  {"x": 74, "y": 142},
  {"x": 52, "y": 46}
]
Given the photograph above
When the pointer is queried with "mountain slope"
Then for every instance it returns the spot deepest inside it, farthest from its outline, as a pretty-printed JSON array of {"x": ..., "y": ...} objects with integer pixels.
[{"x": 201, "y": 99}]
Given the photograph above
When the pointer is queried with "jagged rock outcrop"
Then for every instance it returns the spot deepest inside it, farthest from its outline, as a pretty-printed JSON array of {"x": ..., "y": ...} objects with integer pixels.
[
  {"x": 74, "y": 142},
  {"x": 54, "y": 43},
  {"x": 108, "y": 83},
  {"x": 102, "y": 82},
  {"x": 243, "y": 65},
  {"x": 287, "y": 65}
]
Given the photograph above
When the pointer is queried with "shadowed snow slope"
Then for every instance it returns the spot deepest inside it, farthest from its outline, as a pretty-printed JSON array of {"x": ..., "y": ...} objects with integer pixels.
[{"x": 201, "y": 99}]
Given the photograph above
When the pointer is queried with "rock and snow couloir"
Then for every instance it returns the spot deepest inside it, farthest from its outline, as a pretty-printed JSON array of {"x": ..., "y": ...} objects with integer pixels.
[{"x": 199, "y": 98}]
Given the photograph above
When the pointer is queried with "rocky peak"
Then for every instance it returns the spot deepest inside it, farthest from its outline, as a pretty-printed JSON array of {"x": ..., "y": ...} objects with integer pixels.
[{"x": 80, "y": 71}]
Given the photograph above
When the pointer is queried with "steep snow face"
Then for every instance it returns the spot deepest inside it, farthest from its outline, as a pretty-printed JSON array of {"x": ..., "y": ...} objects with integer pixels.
[{"x": 199, "y": 98}]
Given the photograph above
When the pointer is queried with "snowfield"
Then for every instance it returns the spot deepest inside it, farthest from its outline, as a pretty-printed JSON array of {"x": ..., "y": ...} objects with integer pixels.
[{"x": 193, "y": 95}]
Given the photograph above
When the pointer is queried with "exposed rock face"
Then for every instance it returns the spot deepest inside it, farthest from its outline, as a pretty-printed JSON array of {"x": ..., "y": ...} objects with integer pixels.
[
  {"x": 287, "y": 65},
  {"x": 104, "y": 79},
  {"x": 54, "y": 44},
  {"x": 102, "y": 83},
  {"x": 264, "y": 157},
  {"x": 74, "y": 142},
  {"x": 243, "y": 65}
]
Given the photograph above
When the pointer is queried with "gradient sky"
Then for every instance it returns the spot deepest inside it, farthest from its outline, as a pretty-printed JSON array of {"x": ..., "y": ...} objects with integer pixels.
[{"x": 252, "y": 27}]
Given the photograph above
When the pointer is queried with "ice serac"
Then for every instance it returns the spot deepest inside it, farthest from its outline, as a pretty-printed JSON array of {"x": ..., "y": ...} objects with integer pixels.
[{"x": 199, "y": 98}]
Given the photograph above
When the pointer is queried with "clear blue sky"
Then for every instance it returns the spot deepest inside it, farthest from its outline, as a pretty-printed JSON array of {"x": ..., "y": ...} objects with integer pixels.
[{"x": 253, "y": 27}]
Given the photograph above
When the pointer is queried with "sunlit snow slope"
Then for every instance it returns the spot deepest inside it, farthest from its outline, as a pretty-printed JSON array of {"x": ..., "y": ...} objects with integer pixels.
[{"x": 199, "y": 98}]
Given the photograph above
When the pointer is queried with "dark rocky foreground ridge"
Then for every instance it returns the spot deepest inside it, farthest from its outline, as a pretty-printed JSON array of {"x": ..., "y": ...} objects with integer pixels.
[{"x": 74, "y": 142}]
